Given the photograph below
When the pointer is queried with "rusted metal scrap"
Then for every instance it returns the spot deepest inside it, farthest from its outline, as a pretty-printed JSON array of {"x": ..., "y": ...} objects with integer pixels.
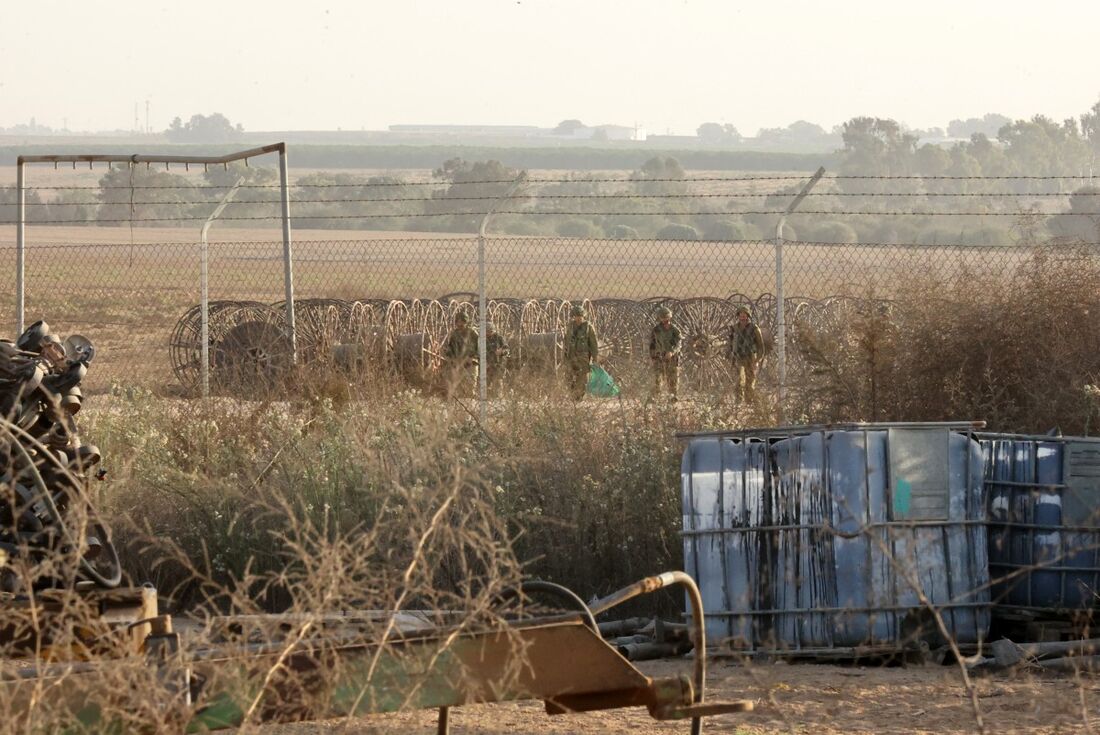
[
  {"x": 45, "y": 468},
  {"x": 235, "y": 677}
]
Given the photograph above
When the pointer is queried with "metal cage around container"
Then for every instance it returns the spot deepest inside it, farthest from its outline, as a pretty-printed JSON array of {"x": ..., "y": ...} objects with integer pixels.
[
  {"x": 1043, "y": 496},
  {"x": 826, "y": 537}
]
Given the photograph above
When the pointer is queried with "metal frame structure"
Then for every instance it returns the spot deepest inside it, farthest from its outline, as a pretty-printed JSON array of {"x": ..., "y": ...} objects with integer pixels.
[
  {"x": 227, "y": 676},
  {"x": 133, "y": 160}
]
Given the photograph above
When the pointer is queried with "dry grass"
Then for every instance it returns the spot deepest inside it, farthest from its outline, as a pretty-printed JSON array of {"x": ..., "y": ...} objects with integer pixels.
[{"x": 1015, "y": 348}]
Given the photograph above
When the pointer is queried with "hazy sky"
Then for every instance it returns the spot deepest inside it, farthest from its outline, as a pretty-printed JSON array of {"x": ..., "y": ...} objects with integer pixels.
[{"x": 663, "y": 65}]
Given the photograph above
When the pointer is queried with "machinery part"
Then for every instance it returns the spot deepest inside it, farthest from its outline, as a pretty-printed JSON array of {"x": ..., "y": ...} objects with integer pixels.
[
  {"x": 45, "y": 512},
  {"x": 529, "y": 586},
  {"x": 252, "y": 353},
  {"x": 698, "y": 626},
  {"x": 560, "y": 660},
  {"x": 79, "y": 348}
]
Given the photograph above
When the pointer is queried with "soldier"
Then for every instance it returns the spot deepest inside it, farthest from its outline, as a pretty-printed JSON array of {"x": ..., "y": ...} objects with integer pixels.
[
  {"x": 459, "y": 354},
  {"x": 745, "y": 349},
  {"x": 581, "y": 350},
  {"x": 496, "y": 352},
  {"x": 664, "y": 352}
]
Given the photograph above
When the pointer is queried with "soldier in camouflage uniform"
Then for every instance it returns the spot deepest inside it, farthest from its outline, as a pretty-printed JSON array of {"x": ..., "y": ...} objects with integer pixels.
[
  {"x": 496, "y": 353},
  {"x": 581, "y": 350},
  {"x": 459, "y": 355},
  {"x": 745, "y": 348},
  {"x": 664, "y": 352}
]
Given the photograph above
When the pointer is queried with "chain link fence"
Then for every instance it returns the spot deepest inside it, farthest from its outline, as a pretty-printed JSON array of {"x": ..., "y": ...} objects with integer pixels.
[{"x": 138, "y": 300}]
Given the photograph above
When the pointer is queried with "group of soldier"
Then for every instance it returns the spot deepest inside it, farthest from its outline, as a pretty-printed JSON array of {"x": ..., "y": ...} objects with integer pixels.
[{"x": 744, "y": 350}]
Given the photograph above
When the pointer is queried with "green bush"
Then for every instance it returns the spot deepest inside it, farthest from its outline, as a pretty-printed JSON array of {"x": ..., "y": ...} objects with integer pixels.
[
  {"x": 622, "y": 232},
  {"x": 730, "y": 230},
  {"x": 677, "y": 231}
]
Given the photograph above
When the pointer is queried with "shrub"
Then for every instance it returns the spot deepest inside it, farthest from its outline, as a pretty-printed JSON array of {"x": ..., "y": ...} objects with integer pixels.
[{"x": 677, "y": 231}]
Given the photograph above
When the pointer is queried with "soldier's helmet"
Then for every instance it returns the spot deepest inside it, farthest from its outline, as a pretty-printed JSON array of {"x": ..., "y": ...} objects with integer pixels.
[
  {"x": 744, "y": 310},
  {"x": 460, "y": 316},
  {"x": 490, "y": 327},
  {"x": 664, "y": 313},
  {"x": 577, "y": 310}
]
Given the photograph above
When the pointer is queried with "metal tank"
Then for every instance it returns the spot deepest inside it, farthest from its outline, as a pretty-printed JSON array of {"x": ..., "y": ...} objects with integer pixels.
[
  {"x": 845, "y": 536},
  {"x": 1043, "y": 495}
]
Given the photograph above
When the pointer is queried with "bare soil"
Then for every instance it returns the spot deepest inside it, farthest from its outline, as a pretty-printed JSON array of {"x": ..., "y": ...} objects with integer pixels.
[{"x": 805, "y": 698}]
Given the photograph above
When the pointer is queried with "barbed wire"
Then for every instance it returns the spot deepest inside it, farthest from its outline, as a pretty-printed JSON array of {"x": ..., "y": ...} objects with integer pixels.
[
  {"x": 471, "y": 239},
  {"x": 596, "y": 180},
  {"x": 699, "y": 213},
  {"x": 730, "y": 195}
]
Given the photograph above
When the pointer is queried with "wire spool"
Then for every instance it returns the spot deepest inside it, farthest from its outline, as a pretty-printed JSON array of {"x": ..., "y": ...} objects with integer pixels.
[
  {"x": 542, "y": 349},
  {"x": 704, "y": 325},
  {"x": 411, "y": 353},
  {"x": 253, "y": 350},
  {"x": 436, "y": 326},
  {"x": 185, "y": 343}
]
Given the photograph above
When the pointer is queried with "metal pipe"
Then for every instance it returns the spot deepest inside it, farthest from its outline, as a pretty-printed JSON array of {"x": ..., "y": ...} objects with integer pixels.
[
  {"x": 20, "y": 244},
  {"x": 288, "y": 256},
  {"x": 698, "y": 627},
  {"x": 780, "y": 309},
  {"x": 482, "y": 318},
  {"x": 279, "y": 148},
  {"x": 786, "y": 431},
  {"x": 91, "y": 158},
  {"x": 843, "y": 611},
  {"x": 204, "y": 281}
]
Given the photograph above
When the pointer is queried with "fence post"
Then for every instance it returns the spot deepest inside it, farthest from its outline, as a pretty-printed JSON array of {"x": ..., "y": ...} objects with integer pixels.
[
  {"x": 204, "y": 281},
  {"x": 482, "y": 349},
  {"x": 780, "y": 305},
  {"x": 288, "y": 256},
  {"x": 20, "y": 243}
]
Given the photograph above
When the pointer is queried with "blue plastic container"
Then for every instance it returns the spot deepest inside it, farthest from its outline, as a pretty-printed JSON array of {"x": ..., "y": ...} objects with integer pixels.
[
  {"x": 827, "y": 537},
  {"x": 1044, "y": 534}
]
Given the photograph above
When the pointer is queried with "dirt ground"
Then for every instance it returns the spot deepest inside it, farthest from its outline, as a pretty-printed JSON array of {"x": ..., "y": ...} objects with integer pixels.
[{"x": 805, "y": 698}]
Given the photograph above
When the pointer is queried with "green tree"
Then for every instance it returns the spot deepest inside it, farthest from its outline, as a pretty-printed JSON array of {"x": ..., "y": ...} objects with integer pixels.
[
  {"x": 677, "y": 231},
  {"x": 568, "y": 127},
  {"x": 991, "y": 159},
  {"x": 875, "y": 147},
  {"x": 1090, "y": 129},
  {"x": 1080, "y": 224},
  {"x": 987, "y": 125},
  {"x": 931, "y": 160},
  {"x": 715, "y": 133},
  {"x": 730, "y": 230},
  {"x": 660, "y": 167},
  {"x": 139, "y": 193},
  {"x": 622, "y": 232},
  {"x": 214, "y": 128},
  {"x": 832, "y": 231},
  {"x": 328, "y": 200},
  {"x": 1042, "y": 147},
  {"x": 467, "y": 196}
]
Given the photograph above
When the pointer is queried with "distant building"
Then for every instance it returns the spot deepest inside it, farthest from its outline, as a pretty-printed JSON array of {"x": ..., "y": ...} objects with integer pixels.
[
  {"x": 602, "y": 132},
  {"x": 501, "y": 131}
]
